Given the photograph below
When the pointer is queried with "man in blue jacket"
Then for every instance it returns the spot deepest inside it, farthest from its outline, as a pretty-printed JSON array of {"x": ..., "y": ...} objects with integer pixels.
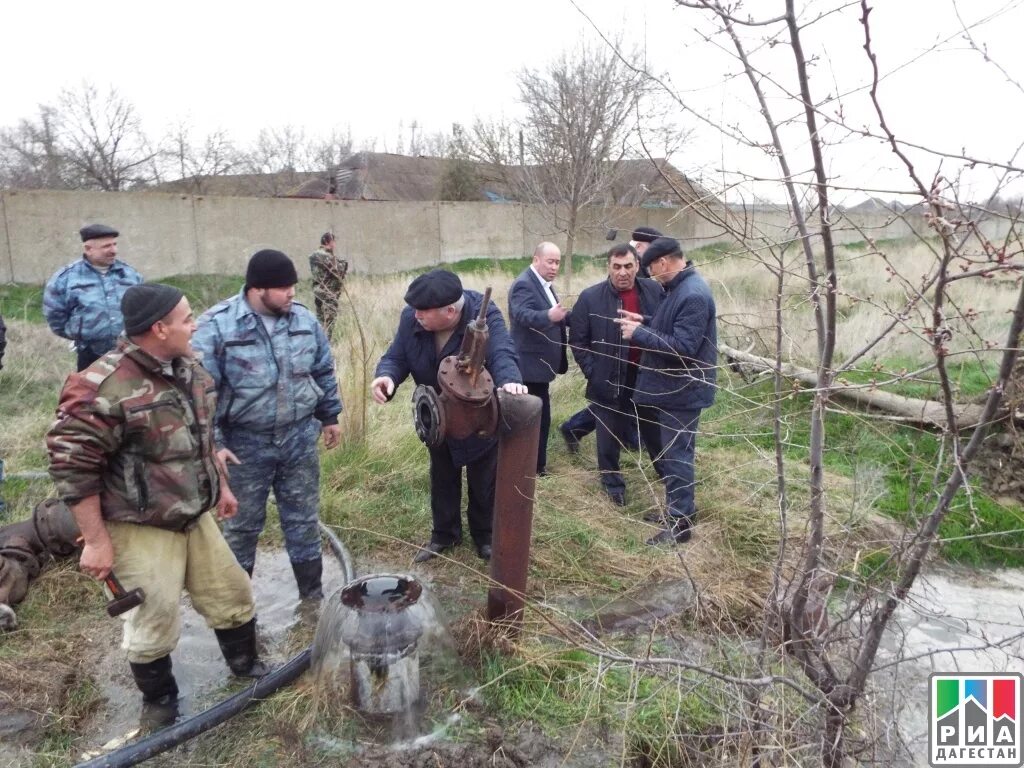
[
  {"x": 538, "y": 323},
  {"x": 82, "y": 301},
  {"x": 430, "y": 329},
  {"x": 677, "y": 373},
  {"x": 610, "y": 364},
  {"x": 276, "y": 394}
]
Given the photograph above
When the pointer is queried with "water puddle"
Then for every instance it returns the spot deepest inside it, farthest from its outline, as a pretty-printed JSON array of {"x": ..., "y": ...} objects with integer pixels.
[
  {"x": 285, "y": 626},
  {"x": 949, "y": 617}
]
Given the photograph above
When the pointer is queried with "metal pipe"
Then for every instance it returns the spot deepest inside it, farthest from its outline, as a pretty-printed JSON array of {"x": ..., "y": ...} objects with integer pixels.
[{"x": 518, "y": 434}]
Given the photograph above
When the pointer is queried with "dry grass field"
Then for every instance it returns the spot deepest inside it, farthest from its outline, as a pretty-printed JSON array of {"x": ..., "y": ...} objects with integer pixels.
[{"x": 375, "y": 495}]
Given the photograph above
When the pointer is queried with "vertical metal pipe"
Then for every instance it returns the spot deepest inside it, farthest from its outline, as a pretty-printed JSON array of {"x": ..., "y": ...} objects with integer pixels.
[{"x": 518, "y": 434}]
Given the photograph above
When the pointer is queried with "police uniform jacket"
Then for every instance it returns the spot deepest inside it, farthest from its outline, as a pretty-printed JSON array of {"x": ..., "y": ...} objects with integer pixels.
[
  {"x": 413, "y": 352},
  {"x": 84, "y": 304},
  {"x": 267, "y": 382}
]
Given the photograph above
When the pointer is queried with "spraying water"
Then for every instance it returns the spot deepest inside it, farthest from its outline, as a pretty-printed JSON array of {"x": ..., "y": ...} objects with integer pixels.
[{"x": 376, "y": 617}]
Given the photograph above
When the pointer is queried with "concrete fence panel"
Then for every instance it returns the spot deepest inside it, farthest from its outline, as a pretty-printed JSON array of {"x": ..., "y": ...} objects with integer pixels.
[
  {"x": 494, "y": 231},
  {"x": 157, "y": 237},
  {"x": 164, "y": 234}
]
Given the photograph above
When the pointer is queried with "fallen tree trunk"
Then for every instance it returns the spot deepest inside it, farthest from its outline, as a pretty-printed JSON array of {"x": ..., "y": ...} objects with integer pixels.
[{"x": 926, "y": 412}]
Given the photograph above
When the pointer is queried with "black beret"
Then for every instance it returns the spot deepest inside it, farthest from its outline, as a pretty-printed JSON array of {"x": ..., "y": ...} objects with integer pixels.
[
  {"x": 143, "y": 305},
  {"x": 437, "y": 288},
  {"x": 662, "y": 246},
  {"x": 270, "y": 269},
  {"x": 645, "y": 235},
  {"x": 94, "y": 231}
]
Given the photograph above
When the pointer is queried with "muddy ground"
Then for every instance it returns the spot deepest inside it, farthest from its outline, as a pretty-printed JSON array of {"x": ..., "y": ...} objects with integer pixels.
[{"x": 82, "y": 701}]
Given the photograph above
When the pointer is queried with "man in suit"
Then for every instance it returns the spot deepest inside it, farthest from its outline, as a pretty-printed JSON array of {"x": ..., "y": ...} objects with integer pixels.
[{"x": 538, "y": 324}]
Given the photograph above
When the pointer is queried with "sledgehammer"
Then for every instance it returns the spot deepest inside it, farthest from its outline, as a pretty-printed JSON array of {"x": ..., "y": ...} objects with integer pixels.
[{"x": 123, "y": 601}]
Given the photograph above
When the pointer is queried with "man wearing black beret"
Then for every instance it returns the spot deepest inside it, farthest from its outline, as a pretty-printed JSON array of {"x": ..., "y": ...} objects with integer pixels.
[
  {"x": 677, "y": 374},
  {"x": 82, "y": 301},
  {"x": 132, "y": 455},
  {"x": 430, "y": 329},
  {"x": 276, "y": 395}
]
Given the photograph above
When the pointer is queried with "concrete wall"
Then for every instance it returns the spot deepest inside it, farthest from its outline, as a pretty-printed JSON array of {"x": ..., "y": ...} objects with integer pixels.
[{"x": 166, "y": 234}]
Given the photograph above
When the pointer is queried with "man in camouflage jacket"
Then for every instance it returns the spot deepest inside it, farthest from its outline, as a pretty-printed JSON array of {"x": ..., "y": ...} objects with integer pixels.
[
  {"x": 132, "y": 454},
  {"x": 82, "y": 301},
  {"x": 277, "y": 393},
  {"x": 328, "y": 273}
]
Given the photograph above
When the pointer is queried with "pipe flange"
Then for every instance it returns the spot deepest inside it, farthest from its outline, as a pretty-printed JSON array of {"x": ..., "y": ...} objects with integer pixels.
[{"x": 428, "y": 416}]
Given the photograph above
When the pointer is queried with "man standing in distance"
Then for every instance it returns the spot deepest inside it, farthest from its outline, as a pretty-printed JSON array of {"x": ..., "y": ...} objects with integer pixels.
[
  {"x": 538, "y": 323},
  {"x": 82, "y": 301},
  {"x": 610, "y": 364},
  {"x": 276, "y": 393},
  {"x": 582, "y": 423},
  {"x": 132, "y": 454},
  {"x": 430, "y": 329},
  {"x": 677, "y": 373},
  {"x": 328, "y": 273}
]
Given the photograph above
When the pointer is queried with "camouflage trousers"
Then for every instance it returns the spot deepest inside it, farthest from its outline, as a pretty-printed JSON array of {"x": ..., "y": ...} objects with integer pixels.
[
  {"x": 163, "y": 563},
  {"x": 288, "y": 464}
]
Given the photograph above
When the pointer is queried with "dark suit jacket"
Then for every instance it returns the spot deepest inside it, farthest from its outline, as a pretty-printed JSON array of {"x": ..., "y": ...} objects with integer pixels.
[{"x": 539, "y": 342}]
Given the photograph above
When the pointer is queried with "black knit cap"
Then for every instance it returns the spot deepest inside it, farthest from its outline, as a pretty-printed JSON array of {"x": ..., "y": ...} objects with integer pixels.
[
  {"x": 143, "y": 305},
  {"x": 437, "y": 288},
  {"x": 662, "y": 246},
  {"x": 94, "y": 231},
  {"x": 270, "y": 269},
  {"x": 645, "y": 235}
]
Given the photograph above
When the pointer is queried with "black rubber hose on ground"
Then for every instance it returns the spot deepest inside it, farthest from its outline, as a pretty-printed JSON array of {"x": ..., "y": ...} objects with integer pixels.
[{"x": 173, "y": 735}]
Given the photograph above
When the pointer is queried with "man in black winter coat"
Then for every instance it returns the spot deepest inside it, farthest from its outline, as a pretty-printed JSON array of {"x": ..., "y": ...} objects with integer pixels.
[
  {"x": 677, "y": 373},
  {"x": 430, "y": 329},
  {"x": 610, "y": 364}
]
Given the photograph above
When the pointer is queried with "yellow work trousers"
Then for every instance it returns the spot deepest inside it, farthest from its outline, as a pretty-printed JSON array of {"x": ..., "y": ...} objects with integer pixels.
[{"x": 164, "y": 563}]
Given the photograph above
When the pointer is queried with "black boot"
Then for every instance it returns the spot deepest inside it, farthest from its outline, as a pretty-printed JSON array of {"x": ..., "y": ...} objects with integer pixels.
[
  {"x": 238, "y": 645},
  {"x": 159, "y": 694},
  {"x": 307, "y": 576}
]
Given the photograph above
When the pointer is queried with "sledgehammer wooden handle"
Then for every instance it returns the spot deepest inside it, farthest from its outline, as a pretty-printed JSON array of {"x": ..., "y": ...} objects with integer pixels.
[{"x": 123, "y": 601}]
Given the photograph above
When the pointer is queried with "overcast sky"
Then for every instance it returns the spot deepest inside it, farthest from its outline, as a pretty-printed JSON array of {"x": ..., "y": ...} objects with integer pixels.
[{"x": 367, "y": 66}]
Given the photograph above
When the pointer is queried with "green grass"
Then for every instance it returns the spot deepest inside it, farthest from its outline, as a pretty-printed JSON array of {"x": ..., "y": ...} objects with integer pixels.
[
  {"x": 980, "y": 531},
  {"x": 970, "y": 378},
  {"x": 659, "y": 715},
  {"x": 20, "y": 301}
]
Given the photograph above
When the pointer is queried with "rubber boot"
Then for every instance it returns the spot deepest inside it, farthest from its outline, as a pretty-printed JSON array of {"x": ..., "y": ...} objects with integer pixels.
[
  {"x": 238, "y": 645},
  {"x": 159, "y": 693},
  {"x": 308, "y": 577}
]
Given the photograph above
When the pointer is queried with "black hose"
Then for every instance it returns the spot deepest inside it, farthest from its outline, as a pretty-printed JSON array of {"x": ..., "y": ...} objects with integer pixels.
[
  {"x": 340, "y": 552},
  {"x": 173, "y": 735}
]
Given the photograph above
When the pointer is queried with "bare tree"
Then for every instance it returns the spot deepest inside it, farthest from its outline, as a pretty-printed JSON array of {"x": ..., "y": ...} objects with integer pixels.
[
  {"x": 197, "y": 161},
  {"x": 87, "y": 140},
  {"x": 101, "y": 138},
  {"x": 837, "y": 654},
  {"x": 30, "y": 155},
  {"x": 580, "y": 115}
]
